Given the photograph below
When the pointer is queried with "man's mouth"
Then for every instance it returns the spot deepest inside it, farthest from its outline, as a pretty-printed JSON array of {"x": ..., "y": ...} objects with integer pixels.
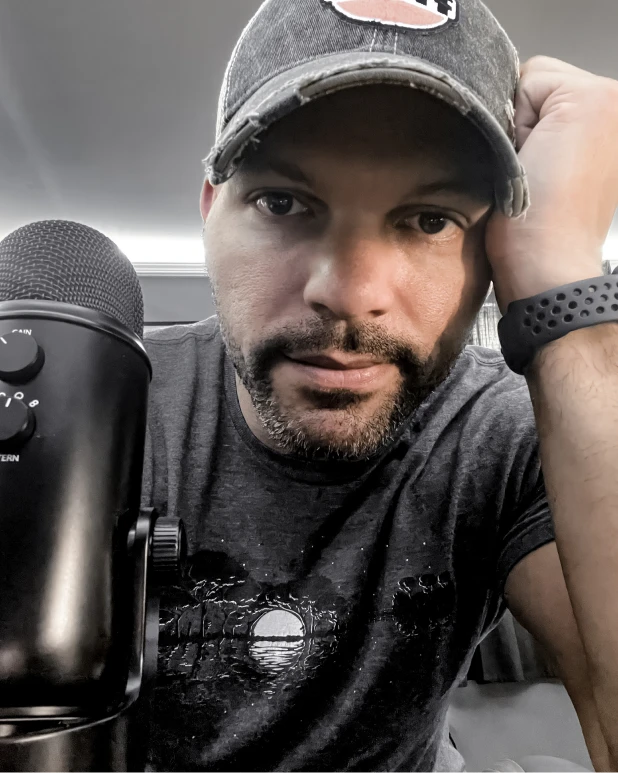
[
  {"x": 339, "y": 370},
  {"x": 336, "y": 361}
]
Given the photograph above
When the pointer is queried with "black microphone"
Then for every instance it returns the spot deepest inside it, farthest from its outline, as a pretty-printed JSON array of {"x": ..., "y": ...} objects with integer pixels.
[{"x": 74, "y": 378}]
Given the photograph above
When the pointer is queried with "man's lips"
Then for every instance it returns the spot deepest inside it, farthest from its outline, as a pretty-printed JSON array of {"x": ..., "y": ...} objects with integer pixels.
[
  {"x": 321, "y": 371},
  {"x": 338, "y": 362}
]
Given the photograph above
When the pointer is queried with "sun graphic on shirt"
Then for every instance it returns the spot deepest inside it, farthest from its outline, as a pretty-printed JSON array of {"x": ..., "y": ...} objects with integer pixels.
[
  {"x": 279, "y": 624},
  {"x": 278, "y": 638}
]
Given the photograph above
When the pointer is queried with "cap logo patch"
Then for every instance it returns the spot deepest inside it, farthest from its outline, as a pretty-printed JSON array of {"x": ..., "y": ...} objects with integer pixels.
[{"x": 411, "y": 14}]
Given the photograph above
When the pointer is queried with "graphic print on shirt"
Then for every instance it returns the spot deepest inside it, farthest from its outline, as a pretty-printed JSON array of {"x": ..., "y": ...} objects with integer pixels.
[
  {"x": 238, "y": 657},
  {"x": 423, "y": 603},
  {"x": 410, "y": 14},
  {"x": 223, "y": 625}
]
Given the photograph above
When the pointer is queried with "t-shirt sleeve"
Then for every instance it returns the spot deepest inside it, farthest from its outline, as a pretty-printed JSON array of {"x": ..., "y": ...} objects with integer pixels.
[
  {"x": 525, "y": 526},
  {"x": 529, "y": 528}
]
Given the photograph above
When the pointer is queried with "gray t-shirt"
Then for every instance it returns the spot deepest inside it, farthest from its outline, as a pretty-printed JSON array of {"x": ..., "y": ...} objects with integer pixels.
[{"x": 330, "y": 608}]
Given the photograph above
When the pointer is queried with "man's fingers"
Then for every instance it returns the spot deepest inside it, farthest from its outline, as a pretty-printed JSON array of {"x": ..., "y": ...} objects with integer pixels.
[
  {"x": 533, "y": 91},
  {"x": 541, "y": 77},
  {"x": 549, "y": 64}
]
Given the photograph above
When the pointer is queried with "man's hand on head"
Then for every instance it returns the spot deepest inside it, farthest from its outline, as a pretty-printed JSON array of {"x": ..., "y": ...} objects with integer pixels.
[
  {"x": 567, "y": 129},
  {"x": 567, "y": 124}
]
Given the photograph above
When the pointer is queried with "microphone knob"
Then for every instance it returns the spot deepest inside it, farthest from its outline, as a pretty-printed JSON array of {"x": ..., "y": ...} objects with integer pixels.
[
  {"x": 21, "y": 358},
  {"x": 168, "y": 548},
  {"x": 17, "y": 422}
]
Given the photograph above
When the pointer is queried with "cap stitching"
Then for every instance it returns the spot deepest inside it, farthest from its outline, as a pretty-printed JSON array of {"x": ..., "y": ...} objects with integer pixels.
[
  {"x": 509, "y": 109},
  {"x": 327, "y": 72},
  {"x": 226, "y": 88},
  {"x": 509, "y": 204},
  {"x": 235, "y": 56},
  {"x": 396, "y": 39},
  {"x": 373, "y": 42},
  {"x": 504, "y": 32},
  {"x": 254, "y": 119}
]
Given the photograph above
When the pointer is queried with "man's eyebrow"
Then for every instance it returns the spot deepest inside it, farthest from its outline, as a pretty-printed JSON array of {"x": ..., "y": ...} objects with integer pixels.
[
  {"x": 477, "y": 189},
  {"x": 480, "y": 190},
  {"x": 278, "y": 165}
]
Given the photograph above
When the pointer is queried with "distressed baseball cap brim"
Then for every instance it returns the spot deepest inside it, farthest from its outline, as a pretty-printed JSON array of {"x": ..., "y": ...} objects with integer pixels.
[{"x": 454, "y": 68}]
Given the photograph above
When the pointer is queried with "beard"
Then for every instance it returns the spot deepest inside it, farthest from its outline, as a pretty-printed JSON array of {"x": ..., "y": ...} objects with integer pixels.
[{"x": 358, "y": 436}]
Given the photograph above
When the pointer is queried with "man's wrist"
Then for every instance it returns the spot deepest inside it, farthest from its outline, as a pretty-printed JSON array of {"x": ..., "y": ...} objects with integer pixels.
[
  {"x": 534, "y": 322},
  {"x": 591, "y": 352},
  {"x": 535, "y": 269}
]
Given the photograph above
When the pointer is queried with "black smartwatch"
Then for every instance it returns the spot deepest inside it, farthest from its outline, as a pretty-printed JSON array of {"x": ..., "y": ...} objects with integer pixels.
[{"x": 531, "y": 323}]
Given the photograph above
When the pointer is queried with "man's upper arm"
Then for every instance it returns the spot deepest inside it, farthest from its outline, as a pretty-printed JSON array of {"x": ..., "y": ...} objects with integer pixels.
[{"x": 537, "y": 595}]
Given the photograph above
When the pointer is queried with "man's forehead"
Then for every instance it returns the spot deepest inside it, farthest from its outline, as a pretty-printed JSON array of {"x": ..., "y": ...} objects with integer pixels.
[
  {"x": 399, "y": 145},
  {"x": 431, "y": 179}
]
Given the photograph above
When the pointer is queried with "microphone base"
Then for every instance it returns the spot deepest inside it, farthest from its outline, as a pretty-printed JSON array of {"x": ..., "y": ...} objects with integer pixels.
[
  {"x": 116, "y": 743},
  {"x": 31, "y": 741}
]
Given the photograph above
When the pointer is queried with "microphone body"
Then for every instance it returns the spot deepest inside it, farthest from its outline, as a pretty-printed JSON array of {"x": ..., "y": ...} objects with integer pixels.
[
  {"x": 69, "y": 497},
  {"x": 80, "y": 562}
]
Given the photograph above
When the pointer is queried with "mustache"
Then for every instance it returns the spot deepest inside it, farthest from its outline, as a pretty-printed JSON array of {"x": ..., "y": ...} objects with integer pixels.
[{"x": 317, "y": 337}]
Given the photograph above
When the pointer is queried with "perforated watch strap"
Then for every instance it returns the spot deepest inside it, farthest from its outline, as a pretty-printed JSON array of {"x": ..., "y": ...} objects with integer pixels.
[{"x": 531, "y": 323}]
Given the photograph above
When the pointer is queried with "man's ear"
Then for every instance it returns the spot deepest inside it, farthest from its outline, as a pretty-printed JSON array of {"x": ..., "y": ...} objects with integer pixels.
[{"x": 207, "y": 198}]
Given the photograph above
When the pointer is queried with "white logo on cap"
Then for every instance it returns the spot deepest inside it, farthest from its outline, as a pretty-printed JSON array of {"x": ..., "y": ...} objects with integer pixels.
[{"x": 413, "y": 14}]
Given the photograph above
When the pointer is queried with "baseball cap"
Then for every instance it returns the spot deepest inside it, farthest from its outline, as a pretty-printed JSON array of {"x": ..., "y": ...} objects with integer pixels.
[{"x": 295, "y": 51}]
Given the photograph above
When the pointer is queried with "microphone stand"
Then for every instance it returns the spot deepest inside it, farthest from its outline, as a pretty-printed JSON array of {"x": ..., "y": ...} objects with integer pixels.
[{"x": 44, "y": 738}]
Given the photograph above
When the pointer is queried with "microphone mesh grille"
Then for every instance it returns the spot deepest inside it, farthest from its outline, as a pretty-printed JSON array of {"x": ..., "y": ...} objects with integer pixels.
[{"x": 57, "y": 260}]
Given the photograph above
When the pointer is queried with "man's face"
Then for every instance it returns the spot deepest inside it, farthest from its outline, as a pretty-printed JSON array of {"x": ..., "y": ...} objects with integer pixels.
[{"x": 347, "y": 262}]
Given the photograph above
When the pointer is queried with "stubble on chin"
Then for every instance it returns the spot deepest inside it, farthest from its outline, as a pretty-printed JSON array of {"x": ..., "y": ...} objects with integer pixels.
[{"x": 337, "y": 424}]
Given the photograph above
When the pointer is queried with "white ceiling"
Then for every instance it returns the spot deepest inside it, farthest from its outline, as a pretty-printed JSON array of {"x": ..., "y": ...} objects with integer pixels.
[{"x": 107, "y": 108}]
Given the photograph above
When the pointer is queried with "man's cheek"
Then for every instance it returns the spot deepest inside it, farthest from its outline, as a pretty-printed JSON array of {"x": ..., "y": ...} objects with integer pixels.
[
  {"x": 237, "y": 277},
  {"x": 248, "y": 307}
]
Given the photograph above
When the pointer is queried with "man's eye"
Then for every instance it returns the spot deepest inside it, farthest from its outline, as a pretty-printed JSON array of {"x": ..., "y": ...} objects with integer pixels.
[
  {"x": 279, "y": 204},
  {"x": 431, "y": 223}
]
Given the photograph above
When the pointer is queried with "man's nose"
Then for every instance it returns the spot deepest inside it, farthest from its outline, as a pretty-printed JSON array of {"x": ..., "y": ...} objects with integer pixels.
[{"x": 353, "y": 277}]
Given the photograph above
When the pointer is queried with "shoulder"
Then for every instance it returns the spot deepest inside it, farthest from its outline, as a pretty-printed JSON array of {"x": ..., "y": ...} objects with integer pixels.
[
  {"x": 483, "y": 372},
  {"x": 185, "y": 358},
  {"x": 488, "y": 364},
  {"x": 167, "y": 346},
  {"x": 173, "y": 335},
  {"x": 487, "y": 403}
]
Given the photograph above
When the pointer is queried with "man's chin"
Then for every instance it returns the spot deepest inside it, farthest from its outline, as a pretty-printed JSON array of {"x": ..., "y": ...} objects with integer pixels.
[
  {"x": 303, "y": 418},
  {"x": 332, "y": 434},
  {"x": 331, "y": 429},
  {"x": 313, "y": 444}
]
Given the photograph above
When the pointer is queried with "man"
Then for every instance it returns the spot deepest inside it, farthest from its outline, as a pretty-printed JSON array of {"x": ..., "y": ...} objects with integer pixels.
[{"x": 362, "y": 494}]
